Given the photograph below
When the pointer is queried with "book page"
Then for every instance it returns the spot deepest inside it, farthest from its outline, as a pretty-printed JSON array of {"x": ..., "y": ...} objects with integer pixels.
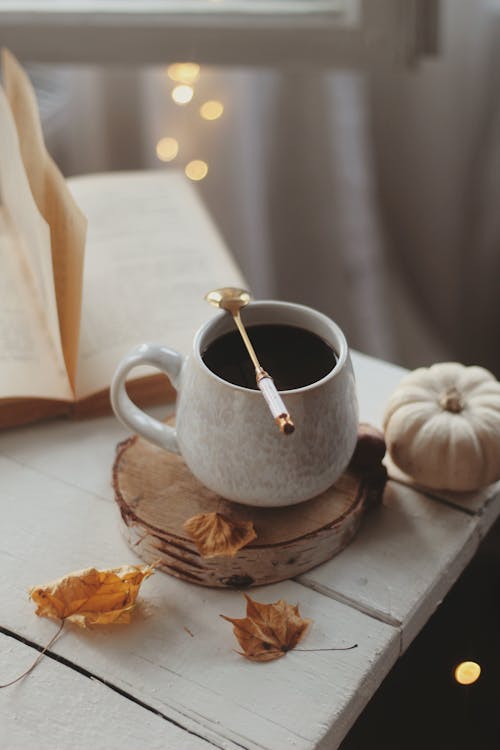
[
  {"x": 27, "y": 364},
  {"x": 152, "y": 253},
  {"x": 54, "y": 201},
  {"x": 28, "y": 311}
]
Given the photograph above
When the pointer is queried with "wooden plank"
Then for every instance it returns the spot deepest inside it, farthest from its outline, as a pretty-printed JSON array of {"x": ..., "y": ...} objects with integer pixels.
[
  {"x": 51, "y": 527},
  {"x": 80, "y": 453},
  {"x": 403, "y": 560},
  {"x": 57, "y": 707},
  {"x": 475, "y": 503},
  {"x": 375, "y": 382},
  {"x": 490, "y": 511}
]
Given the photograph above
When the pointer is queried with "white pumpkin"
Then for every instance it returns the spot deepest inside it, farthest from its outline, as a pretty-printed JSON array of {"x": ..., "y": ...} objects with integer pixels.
[{"x": 442, "y": 426}]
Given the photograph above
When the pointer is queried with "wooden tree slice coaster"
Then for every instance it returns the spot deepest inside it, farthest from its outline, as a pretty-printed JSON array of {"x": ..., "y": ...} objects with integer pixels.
[{"x": 156, "y": 494}]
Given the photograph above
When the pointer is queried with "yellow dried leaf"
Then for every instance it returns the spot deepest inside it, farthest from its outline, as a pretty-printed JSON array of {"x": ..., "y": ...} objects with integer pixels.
[
  {"x": 269, "y": 630},
  {"x": 215, "y": 535},
  {"x": 92, "y": 597}
]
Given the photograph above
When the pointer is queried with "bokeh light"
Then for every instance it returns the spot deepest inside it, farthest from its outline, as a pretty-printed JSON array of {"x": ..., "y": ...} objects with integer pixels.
[
  {"x": 211, "y": 110},
  {"x": 467, "y": 672},
  {"x": 167, "y": 148},
  {"x": 187, "y": 72},
  {"x": 182, "y": 94},
  {"x": 196, "y": 169}
]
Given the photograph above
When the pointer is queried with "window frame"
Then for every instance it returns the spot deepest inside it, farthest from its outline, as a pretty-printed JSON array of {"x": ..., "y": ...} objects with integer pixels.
[{"x": 346, "y": 33}]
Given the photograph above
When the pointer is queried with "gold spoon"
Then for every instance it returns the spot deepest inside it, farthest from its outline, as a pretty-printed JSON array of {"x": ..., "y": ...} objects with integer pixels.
[{"x": 231, "y": 299}]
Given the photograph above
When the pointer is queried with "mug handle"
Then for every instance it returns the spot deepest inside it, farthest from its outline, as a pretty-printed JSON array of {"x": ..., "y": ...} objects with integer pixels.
[{"x": 168, "y": 361}]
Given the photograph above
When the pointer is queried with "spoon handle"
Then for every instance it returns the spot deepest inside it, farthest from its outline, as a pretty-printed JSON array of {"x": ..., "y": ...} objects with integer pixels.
[
  {"x": 266, "y": 384},
  {"x": 274, "y": 402},
  {"x": 248, "y": 343}
]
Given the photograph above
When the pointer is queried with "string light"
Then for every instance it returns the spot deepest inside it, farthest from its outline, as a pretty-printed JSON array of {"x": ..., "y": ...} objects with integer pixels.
[
  {"x": 211, "y": 110},
  {"x": 185, "y": 75},
  {"x": 467, "y": 672},
  {"x": 186, "y": 72},
  {"x": 196, "y": 170},
  {"x": 182, "y": 94}
]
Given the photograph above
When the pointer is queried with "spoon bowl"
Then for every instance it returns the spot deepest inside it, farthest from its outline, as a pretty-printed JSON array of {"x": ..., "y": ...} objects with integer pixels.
[{"x": 229, "y": 298}]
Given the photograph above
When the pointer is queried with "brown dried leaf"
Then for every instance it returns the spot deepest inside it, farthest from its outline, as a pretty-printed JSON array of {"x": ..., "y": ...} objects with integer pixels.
[
  {"x": 216, "y": 535},
  {"x": 269, "y": 630},
  {"x": 92, "y": 597}
]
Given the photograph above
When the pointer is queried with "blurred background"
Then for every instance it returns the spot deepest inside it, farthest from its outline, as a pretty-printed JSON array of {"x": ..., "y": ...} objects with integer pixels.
[
  {"x": 349, "y": 152},
  {"x": 360, "y": 175}
]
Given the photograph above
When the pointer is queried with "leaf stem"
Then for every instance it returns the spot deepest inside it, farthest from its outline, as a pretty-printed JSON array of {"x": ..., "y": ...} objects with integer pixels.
[
  {"x": 347, "y": 648},
  {"x": 37, "y": 660}
]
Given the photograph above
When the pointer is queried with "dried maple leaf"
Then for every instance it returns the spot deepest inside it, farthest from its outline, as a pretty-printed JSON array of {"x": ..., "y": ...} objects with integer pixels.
[
  {"x": 269, "y": 630},
  {"x": 215, "y": 535},
  {"x": 92, "y": 597}
]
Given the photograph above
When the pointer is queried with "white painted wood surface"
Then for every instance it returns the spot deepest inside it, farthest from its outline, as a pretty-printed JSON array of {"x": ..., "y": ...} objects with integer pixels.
[
  {"x": 56, "y": 707},
  {"x": 58, "y": 515},
  {"x": 197, "y": 681},
  {"x": 375, "y": 382},
  {"x": 403, "y": 561},
  {"x": 78, "y": 453},
  {"x": 474, "y": 503}
]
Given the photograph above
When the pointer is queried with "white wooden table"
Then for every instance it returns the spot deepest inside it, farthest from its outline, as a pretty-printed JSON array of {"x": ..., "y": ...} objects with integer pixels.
[{"x": 171, "y": 679}]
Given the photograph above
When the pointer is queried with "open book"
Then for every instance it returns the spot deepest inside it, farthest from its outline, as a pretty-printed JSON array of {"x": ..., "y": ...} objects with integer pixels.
[{"x": 151, "y": 252}]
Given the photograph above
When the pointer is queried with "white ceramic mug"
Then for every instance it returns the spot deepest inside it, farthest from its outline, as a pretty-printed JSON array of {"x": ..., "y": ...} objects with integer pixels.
[{"x": 226, "y": 434}]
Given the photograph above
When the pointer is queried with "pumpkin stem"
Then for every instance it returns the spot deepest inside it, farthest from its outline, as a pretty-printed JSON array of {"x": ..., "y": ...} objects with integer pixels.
[{"x": 451, "y": 401}]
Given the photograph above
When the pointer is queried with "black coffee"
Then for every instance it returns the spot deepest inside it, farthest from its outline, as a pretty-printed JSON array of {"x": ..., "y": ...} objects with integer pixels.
[{"x": 292, "y": 356}]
